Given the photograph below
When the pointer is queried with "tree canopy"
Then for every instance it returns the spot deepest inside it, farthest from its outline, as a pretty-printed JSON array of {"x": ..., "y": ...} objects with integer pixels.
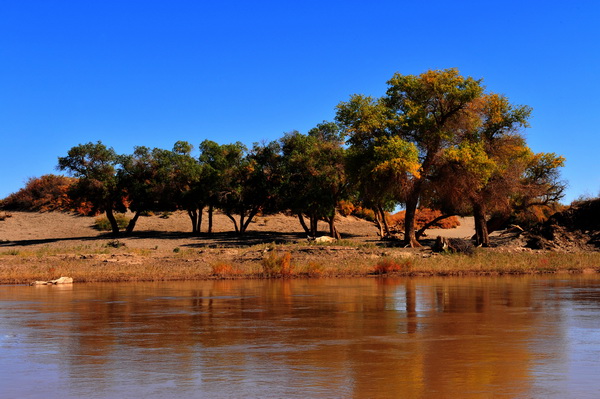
[{"x": 437, "y": 139}]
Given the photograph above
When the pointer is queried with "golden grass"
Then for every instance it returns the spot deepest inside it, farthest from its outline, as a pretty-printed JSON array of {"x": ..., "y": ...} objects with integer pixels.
[{"x": 99, "y": 263}]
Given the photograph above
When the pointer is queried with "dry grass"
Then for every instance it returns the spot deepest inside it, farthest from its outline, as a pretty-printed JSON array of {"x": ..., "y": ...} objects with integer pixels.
[
  {"x": 490, "y": 262},
  {"x": 123, "y": 264},
  {"x": 390, "y": 266},
  {"x": 45, "y": 246}
]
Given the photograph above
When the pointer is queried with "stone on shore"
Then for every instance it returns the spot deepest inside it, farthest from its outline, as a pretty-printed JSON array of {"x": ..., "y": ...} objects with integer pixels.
[{"x": 61, "y": 280}]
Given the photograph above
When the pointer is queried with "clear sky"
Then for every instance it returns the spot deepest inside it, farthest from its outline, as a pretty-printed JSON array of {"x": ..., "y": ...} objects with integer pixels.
[{"x": 147, "y": 72}]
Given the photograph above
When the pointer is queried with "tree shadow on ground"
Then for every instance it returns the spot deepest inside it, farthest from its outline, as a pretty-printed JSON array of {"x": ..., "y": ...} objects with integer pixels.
[{"x": 202, "y": 240}]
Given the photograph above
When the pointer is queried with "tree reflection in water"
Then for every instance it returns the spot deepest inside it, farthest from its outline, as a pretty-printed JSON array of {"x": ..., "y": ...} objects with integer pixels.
[{"x": 420, "y": 337}]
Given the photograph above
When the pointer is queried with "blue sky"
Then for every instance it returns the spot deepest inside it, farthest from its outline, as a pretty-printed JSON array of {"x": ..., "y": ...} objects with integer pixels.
[{"x": 153, "y": 72}]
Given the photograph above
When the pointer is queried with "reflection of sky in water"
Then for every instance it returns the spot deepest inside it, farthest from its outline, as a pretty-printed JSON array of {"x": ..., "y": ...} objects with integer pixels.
[
  {"x": 422, "y": 303},
  {"x": 517, "y": 337}
]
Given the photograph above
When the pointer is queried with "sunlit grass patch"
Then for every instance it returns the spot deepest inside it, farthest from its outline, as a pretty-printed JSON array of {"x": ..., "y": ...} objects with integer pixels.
[
  {"x": 275, "y": 265},
  {"x": 225, "y": 270},
  {"x": 103, "y": 224},
  {"x": 390, "y": 265}
]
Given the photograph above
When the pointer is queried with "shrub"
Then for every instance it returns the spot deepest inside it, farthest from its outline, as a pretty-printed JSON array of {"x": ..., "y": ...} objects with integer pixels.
[
  {"x": 103, "y": 224},
  {"x": 42, "y": 194},
  {"x": 314, "y": 269},
  {"x": 364, "y": 213},
  {"x": 389, "y": 265},
  {"x": 535, "y": 214},
  {"x": 424, "y": 216},
  {"x": 115, "y": 244},
  {"x": 346, "y": 208},
  {"x": 222, "y": 269},
  {"x": 277, "y": 266}
]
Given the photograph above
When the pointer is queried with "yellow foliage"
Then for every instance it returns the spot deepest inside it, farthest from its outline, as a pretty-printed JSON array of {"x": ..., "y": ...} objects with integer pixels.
[{"x": 395, "y": 155}]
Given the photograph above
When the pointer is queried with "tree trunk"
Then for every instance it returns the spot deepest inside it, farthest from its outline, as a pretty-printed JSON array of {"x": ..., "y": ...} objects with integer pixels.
[
  {"x": 386, "y": 227},
  {"x": 242, "y": 223},
  {"x": 379, "y": 224},
  {"x": 482, "y": 237},
  {"x": 194, "y": 218},
  {"x": 113, "y": 222},
  {"x": 237, "y": 230},
  {"x": 132, "y": 222},
  {"x": 303, "y": 223},
  {"x": 409, "y": 220},
  {"x": 253, "y": 213},
  {"x": 413, "y": 198},
  {"x": 210, "y": 219},
  {"x": 314, "y": 221},
  {"x": 332, "y": 230},
  {"x": 199, "y": 220}
]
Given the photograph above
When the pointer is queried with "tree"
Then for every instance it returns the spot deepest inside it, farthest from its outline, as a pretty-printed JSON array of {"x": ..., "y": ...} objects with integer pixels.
[
  {"x": 218, "y": 162},
  {"x": 186, "y": 182},
  {"x": 158, "y": 180},
  {"x": 429, "y": 112},
  {"x": 137, "y": 177},
  {"x": 315, "y": 178},
  {"x": 492, "y": 170},
  {"x": 95, "y": 167},
  {"x": 380, "y": 166},
  {"x": 245, "y": 182}
]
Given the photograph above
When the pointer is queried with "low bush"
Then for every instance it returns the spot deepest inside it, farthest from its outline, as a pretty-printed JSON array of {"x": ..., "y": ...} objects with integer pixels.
[
  {"x": 103, "y": 224},
  {"x": 389, "y": 265},
  {"x": 277, "y": 266},
  {"x": 44, "y": 194},
  {"x": 115, "y": 244},
  {"x": 314, "y": 269},
  {"x": 346, "y": 208},
  {"x": 364, "y": 213},
  {"x": 222, "y": 269}
]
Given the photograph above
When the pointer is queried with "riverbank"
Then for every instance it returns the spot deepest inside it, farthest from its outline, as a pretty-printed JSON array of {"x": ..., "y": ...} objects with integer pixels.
[
  {"x": 281, "y": 261},
  {"x": 45, "y": 246}
]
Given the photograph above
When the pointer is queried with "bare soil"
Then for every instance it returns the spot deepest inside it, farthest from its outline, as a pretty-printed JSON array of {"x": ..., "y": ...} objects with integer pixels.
[
  {"x": 45, "y": 246},
  {"x": 33, "y": 230}
]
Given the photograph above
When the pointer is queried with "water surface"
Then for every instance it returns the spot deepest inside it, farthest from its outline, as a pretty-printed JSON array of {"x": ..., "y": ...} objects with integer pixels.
[{"x": 511, "y": 337}]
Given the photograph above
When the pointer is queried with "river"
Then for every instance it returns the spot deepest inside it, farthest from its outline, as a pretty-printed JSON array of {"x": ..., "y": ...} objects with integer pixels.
[{"x": 472, "y": 337}]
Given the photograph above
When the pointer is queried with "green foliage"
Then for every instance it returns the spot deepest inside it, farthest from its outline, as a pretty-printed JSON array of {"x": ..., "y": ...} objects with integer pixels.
[
  {"x": 103, "y": 224},
  {"x": 243, "y": 182},
  {"x": 314, "y": 173},
  {"x": 94, "y": 165},
  {"x": 434, "y": 139},
  {"x": 438, "y": 139},
  {"x": 427, "y": 108}
]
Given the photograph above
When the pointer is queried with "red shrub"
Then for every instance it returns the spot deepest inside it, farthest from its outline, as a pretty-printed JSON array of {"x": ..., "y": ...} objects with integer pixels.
[
  {"x": 388, "y": 265},
  {"x": 424, "y": 216},
  {"x": 44, "y": 194}
]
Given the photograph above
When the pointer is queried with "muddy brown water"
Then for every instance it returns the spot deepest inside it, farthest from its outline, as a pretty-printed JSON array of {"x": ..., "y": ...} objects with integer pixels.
[{"x": 506, "y": 337}]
